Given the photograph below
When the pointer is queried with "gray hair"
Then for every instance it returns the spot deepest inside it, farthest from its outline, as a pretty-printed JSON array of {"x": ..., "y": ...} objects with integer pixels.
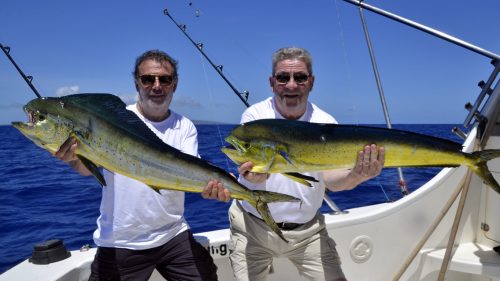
[
  {"x": 158, "y": 56},
  {"x": 293, "y": 53}
]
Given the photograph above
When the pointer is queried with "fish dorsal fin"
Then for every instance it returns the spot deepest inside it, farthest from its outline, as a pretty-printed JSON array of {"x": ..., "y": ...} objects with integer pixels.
[
  {"x": 113, "y": 110},
  {"x": 300, "y": 178}
]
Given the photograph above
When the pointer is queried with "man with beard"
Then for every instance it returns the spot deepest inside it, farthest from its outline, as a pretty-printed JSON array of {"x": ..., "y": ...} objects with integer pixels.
[
  {"x": 310, "y": 248},
  {"x": 139, "y": 229}
]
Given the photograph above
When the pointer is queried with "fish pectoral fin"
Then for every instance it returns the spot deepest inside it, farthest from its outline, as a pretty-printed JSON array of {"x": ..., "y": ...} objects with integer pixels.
[
  {"x": 93, "y": 168},
  {"x": 285, "y": 156},
  {"x": 157, "y": 189},
  {"x": 300, "y": 178},
  {"x": 79, "y": 136}
]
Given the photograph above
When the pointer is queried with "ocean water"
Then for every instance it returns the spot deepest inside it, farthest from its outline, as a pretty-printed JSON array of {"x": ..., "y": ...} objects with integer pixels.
[{"x": 42, "y": 198}]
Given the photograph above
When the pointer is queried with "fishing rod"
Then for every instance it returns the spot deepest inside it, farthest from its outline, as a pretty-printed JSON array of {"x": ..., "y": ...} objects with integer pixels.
[
  {"x": 28, "y": 79},
  {"x": 243, "y": 96},
  {"x": 199, "y": 46}
]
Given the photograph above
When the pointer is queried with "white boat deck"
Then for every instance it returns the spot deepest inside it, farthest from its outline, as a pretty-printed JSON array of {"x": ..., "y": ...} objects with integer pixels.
[{"x": 470, "y": 258}]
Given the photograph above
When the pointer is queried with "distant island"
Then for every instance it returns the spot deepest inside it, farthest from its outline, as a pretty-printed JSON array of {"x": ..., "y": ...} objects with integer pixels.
[{"x": 207, "y": 122}]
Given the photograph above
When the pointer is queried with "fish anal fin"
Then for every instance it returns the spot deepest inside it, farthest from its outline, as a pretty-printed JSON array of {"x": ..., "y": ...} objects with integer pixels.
[
  {"x": 157, "y": 189},
  {"x": 93, "y": 168},
  {"x": 259, "y": 202},
  {"x": 300, "y": 178},
  {"x": 264, "y": 212}
]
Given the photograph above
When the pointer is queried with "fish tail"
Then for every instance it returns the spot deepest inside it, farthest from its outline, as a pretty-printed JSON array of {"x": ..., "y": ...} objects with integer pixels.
[
  {"x": 481, "y": 168},
  {"x": 260, "y": 200}
]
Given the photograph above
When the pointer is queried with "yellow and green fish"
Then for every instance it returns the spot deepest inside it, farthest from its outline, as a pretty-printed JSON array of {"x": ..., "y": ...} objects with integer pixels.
[
  {"x": 292, "y": 147},
  {"x": 112, "y": 137}
]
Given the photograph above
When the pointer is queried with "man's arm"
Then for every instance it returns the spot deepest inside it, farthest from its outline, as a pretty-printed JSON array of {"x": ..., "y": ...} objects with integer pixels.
[{"x": 369, "y": 164}]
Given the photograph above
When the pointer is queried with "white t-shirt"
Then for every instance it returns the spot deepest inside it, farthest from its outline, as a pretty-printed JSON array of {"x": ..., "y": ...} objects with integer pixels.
[
  {"x": 134, "y": 216},
  {"x": 312, "y": 197}
]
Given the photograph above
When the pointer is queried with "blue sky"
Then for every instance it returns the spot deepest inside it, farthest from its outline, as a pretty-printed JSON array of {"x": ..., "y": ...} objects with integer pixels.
[{"x": 91, "y": 46}]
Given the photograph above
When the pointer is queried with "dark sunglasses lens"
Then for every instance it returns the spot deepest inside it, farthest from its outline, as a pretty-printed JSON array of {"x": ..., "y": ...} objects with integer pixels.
[
  {"x": 148, "y": 80},
  {"x": 165, "y": 79},
  {"x": 300, "y": 78},
  {"x": 282, "y": 78}
]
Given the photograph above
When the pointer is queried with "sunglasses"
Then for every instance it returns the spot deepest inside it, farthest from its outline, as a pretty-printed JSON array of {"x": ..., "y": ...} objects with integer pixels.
[
  {"x": 149, "y": 79},
  {"x": 299, "y": 78}
]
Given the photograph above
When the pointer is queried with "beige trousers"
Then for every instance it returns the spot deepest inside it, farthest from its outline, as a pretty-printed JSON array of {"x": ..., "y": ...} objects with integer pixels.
[{"x": 254, "y": 245}]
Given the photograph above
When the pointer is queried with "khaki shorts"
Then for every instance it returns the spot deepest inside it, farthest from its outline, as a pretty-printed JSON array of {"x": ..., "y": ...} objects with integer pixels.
[{"x": 254, "y": 245}]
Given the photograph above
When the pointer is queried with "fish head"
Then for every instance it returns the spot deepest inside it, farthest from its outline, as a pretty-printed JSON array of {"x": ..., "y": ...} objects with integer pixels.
[
  {"x": 46, "y": 127},
  {"x": 260, "y": 152}
]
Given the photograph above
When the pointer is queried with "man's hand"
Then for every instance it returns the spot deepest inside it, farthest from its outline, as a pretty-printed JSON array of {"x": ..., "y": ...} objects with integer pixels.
[
  {"x": 67, "y": 154},
  {"x": 215, "y": 190},
  {"x": 244, "y": 170},
  {"x": 67, "y": 150},
  {"x": 369, "y": 163}
]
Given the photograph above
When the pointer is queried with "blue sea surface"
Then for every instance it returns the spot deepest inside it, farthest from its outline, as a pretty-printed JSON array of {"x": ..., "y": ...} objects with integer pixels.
[{"x": 42, "y": 198}]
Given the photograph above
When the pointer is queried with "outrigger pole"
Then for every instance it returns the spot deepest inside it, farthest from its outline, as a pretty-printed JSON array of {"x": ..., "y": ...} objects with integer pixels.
[
  {"x": 199, "y": 46},
  {"x": 28, "y": 79},
  {"x": 473, "y": 109},
  {"x": 427, "y": 29},
  {"x": 402, "y": 183}
]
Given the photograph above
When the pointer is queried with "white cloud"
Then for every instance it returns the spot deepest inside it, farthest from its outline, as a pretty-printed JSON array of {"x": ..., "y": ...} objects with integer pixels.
[
  {"x": 189, "y": 102},
  {"x": 67, "y": 90}
]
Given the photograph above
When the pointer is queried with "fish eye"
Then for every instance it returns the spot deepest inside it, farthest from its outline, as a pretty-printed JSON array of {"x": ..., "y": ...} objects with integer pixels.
[{"x": 37, "y": 116}]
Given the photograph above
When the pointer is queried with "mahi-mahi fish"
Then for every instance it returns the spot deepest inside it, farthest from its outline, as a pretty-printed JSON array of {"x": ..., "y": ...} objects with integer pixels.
[
  {"x": 291, "y": 147},
  {"x": 112, "y": 137}
]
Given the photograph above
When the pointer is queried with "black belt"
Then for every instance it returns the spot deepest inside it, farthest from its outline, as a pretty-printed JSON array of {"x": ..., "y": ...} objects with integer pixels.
[{"x": 282, "y": 225}]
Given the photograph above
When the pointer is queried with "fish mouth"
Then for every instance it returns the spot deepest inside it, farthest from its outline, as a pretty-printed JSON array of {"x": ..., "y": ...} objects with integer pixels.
[
  {"x": 235, "y": 144},
  {"x": 32, "y": 117}
]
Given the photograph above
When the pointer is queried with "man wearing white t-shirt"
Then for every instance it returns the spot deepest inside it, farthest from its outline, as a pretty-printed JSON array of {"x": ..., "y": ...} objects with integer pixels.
[
  {"x": 139, "y": 229},
  {"x": 310, "y": 248}
]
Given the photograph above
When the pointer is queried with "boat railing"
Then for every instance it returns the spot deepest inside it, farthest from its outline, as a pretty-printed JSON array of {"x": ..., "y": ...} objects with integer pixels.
[
  {"x": 486, "y": 86},
  {"x": 474, "y": 109}
]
